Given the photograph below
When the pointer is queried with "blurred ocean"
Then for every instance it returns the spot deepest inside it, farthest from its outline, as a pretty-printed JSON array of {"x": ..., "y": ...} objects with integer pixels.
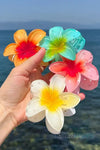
[{"x": 80, "y": 132}]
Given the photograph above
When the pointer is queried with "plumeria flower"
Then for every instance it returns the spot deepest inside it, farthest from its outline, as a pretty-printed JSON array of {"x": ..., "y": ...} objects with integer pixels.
[
  {"x": 62, "y": 42},
  {"x": 79, "y": 73},
  {"x": 51, "y": 102},
  {"x": 25, "y": 46}
]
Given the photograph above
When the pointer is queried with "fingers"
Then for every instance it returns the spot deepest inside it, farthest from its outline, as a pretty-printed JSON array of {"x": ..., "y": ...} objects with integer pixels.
[
  {"x": 32, "y": 62},
  {"x": 82, "y": 96}
]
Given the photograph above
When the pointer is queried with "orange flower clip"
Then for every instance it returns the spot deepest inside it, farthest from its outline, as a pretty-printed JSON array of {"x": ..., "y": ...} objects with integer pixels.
[{"x": 25, "y": 46}]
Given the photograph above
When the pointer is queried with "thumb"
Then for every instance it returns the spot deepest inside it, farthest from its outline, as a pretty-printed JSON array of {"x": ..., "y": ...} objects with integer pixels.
[{"x": 32, "y": 62}]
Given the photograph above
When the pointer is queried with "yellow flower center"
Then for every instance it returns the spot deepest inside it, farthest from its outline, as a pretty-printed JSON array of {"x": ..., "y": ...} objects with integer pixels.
[
  {"x": 58, "y": 45},
  {"x": 50, "y": 98}
]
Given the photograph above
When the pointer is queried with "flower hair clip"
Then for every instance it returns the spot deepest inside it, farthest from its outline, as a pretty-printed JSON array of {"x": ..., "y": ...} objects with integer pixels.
[
  {"x": 70, "y": 64},
  {"x": 51, "y": 102},
  {"x": 62, "y": 42},
  {"x": 79, "y": 73},
  {"x": 25, "y": 46}
]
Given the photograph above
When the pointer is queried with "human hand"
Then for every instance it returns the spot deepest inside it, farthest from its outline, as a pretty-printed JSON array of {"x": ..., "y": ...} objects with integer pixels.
[{"x": 15, "y": 92}]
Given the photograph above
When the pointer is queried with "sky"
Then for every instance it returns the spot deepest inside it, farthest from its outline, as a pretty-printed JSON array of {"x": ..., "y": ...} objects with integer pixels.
[{"x": 74, "y": 11}]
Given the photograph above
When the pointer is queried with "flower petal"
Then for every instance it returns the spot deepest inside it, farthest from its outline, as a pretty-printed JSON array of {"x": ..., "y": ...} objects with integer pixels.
[
  {"x": 10, "y": 49},
  {"x": 85, "y": 56},
  {"x": 69, "y": 112},
  {"x": 18, "y": 61},
  {"x": 77, "y": 90},
  {"x": 50, "y": 129},
  {"x": 77, "y": 43},
  {"x": 70, "y": 100},
  {"x": 57, "y": 82},
  {"x": 11, "y": 57},
  {"x": 34, "y": 111},
  {"x": 91, "y": 72},
  {"x": 72, "y": 82},
  {"x": 58, "y": 68},
  {"x": 69, "y": 53},
  {"x": 58, "y": 57},
  {"x": 55, "y": 32},
  {"x": 71, "y": 34},
  {"x": 36, "y": 36},
  {"x": 49, "y": 55},
  {"x": 20, "y": 36},
  {"x": 45, "y": 42},
  {"x": 55, "y": 120},
  {"x": 37, "y": 86},
  {"x": 88, "y": 84}
]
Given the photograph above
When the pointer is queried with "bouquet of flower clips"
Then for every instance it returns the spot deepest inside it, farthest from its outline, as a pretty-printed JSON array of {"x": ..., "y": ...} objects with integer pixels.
[{"x": 71, "y": 67}]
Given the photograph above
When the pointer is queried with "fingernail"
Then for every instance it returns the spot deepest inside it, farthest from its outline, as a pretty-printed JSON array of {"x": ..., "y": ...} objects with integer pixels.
[{"x": 42, "y": 50}]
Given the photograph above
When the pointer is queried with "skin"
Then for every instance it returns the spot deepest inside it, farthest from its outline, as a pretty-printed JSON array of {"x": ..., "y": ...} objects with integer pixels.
[{"x": 15, "y": 93}]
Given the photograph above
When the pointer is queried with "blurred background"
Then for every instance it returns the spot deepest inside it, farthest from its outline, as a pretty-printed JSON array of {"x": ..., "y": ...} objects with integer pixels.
[{"x": 82, "y": 131}]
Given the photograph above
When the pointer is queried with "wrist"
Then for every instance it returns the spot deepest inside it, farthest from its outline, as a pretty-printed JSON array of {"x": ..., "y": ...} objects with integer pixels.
[
  {"x": 1, "y": 109},
  {"x": 4, "y": 112},
  {"x": 7, "y": 122},
  {"x": 6, "y": 126}
]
